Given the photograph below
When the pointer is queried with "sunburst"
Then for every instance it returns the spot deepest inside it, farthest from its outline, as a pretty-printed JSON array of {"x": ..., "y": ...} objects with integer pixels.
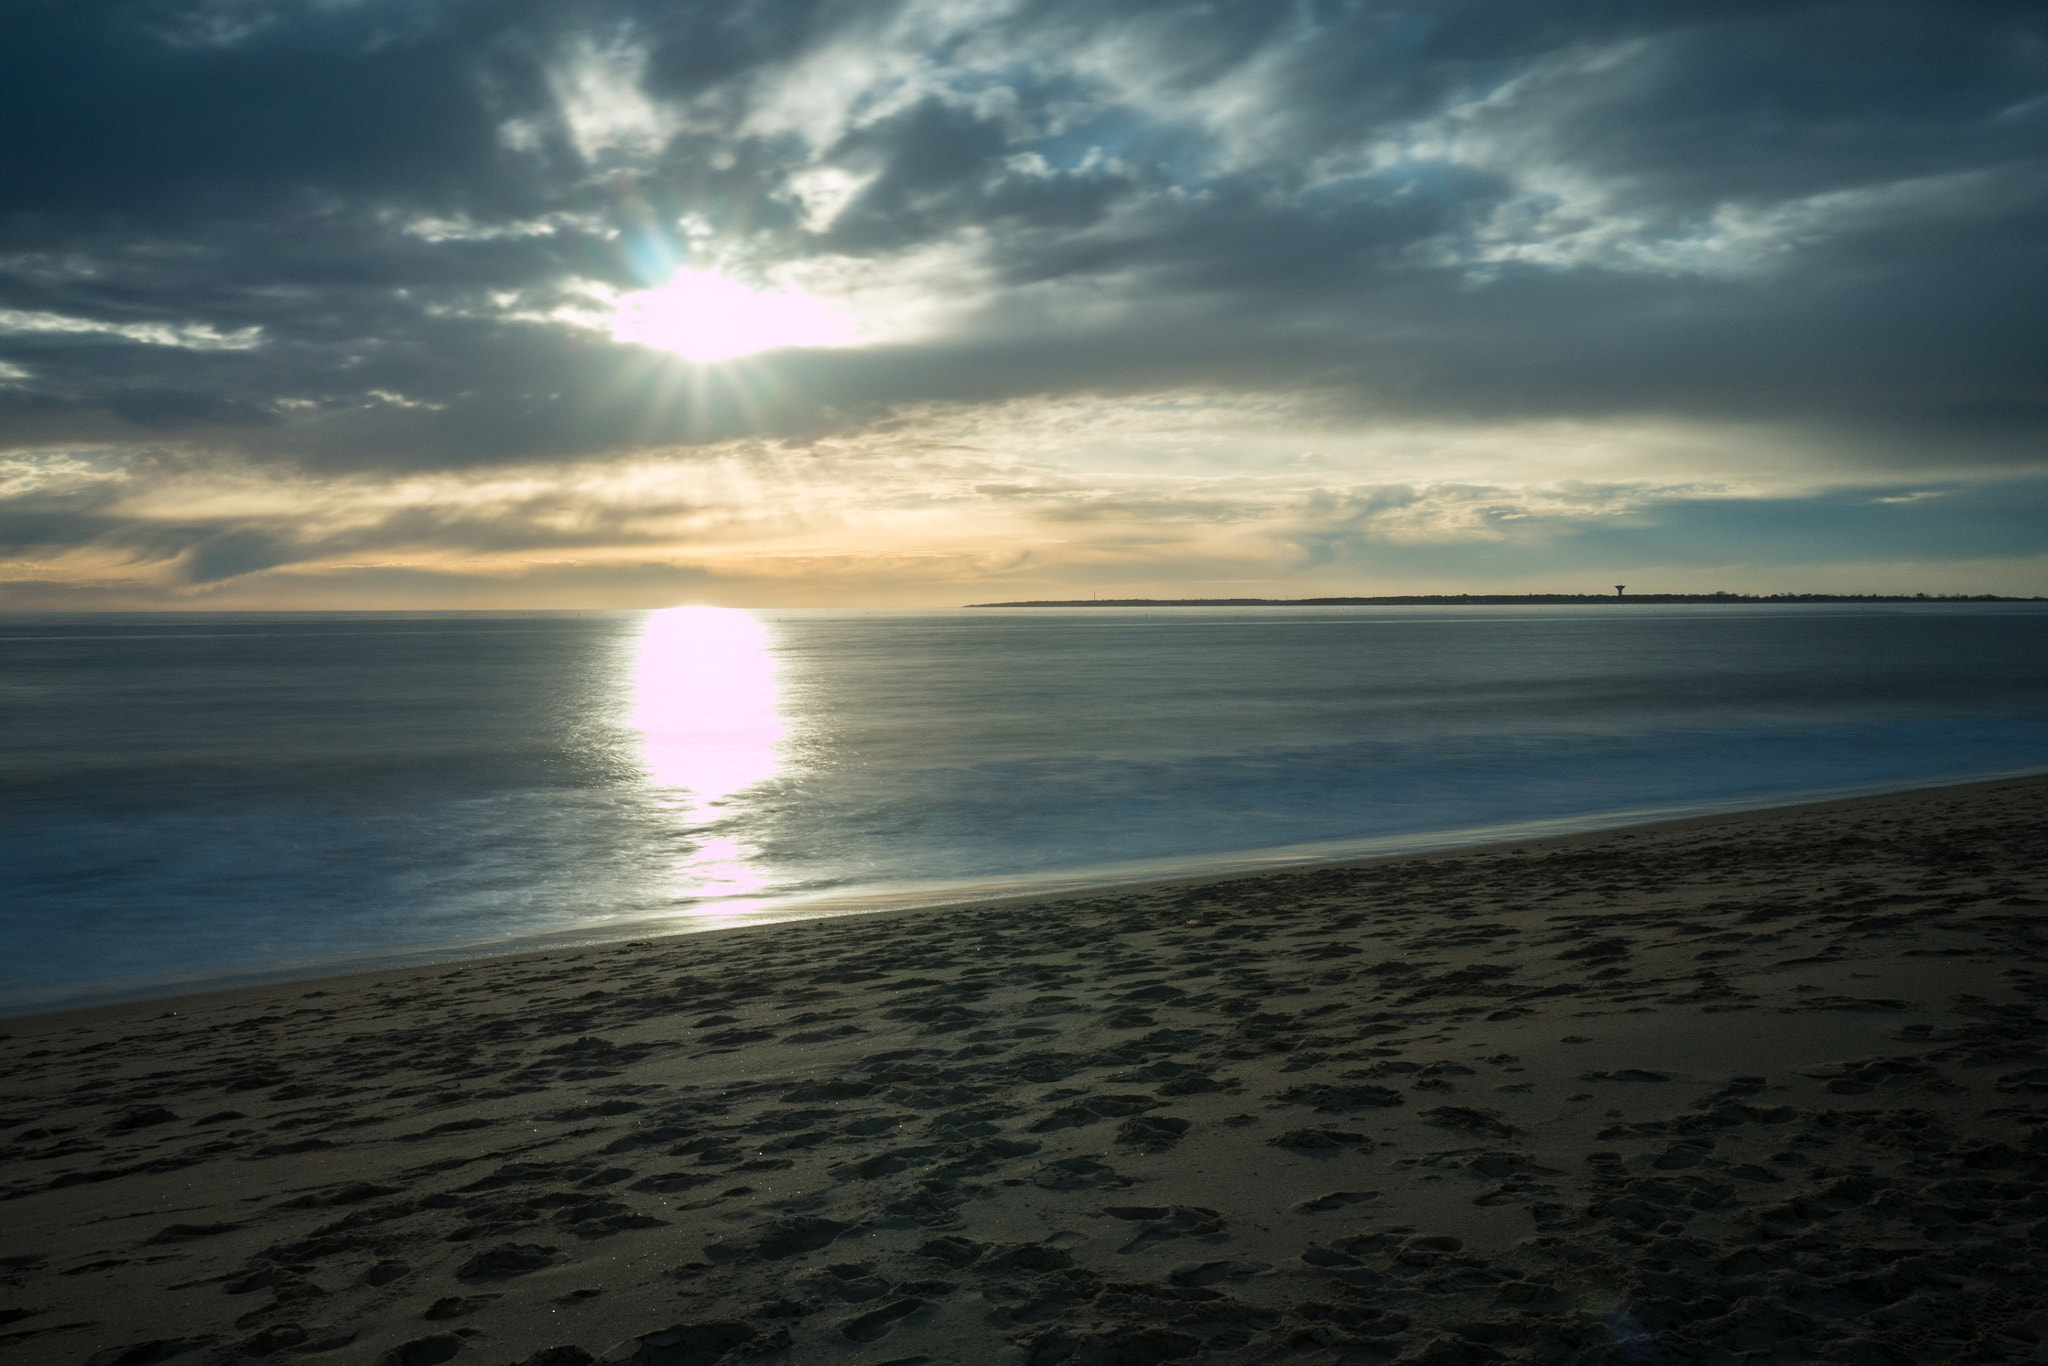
[{"x": 704, "y": 317}]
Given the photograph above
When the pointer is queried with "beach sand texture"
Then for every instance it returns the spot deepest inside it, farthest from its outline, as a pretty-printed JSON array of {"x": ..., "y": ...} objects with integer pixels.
[{"x": 1758, "y": 1088}]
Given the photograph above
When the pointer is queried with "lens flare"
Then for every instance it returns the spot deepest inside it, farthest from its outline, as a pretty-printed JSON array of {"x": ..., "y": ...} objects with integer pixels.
[{"x": 705, "y": 317}]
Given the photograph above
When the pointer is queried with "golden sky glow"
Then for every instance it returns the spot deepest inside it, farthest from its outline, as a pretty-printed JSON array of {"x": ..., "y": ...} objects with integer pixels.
[{"x": 1169, "y": 496}]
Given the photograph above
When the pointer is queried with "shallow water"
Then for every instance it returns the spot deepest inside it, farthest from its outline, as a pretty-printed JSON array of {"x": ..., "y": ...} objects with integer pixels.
[{"x": 187, "y": 796}]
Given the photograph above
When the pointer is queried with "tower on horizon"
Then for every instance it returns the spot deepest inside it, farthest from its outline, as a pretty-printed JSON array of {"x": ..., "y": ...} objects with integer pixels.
[{"x": 1617, "y": 589}]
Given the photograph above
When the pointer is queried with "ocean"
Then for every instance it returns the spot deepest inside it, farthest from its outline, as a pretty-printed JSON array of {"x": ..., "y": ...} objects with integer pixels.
[{"x": 190, "y": 799}]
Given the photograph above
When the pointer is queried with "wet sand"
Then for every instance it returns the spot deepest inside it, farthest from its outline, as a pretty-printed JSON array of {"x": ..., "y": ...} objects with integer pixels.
[{"x": 1757, "y": 1088}]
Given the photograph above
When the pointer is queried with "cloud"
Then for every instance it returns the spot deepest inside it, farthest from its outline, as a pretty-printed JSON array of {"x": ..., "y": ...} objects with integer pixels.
[
  {"x": 196, "y": 336},
  {"x": 373, "y": 241},
  {"x": 924, "y": 515}
]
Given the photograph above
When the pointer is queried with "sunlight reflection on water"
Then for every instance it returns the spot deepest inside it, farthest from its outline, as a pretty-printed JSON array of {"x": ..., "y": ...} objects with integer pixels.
[{"x": 707, "y": 702}]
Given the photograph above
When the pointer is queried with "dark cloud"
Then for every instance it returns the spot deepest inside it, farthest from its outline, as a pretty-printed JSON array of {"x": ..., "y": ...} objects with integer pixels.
[
  {"x": 152, "y": 109},
  {"x": 1822, "y": 214}
]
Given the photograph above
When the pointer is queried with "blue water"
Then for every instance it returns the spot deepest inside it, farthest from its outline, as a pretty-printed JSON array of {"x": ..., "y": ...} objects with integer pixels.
[{"x": 186, "y": 797}]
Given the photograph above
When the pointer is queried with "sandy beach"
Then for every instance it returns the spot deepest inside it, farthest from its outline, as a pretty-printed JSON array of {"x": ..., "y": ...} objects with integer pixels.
[{"x": 1768, "y": 1087}]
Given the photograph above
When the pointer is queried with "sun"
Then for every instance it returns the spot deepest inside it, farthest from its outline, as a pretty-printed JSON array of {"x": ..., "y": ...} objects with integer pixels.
[{"x": 703, "y": 316}]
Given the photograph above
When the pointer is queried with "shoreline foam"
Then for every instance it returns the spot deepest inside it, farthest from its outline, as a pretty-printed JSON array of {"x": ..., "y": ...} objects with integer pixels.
[{"x": 1747, "y": 1087}]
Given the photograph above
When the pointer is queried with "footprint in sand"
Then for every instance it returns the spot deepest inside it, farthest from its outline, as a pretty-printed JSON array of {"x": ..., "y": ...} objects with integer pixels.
[
  {"x": 1153, "y": 1133},
  {"x": 505, "y": 1260},
  {"x": 1335, "y": 1200},
  {"x": 1321, "y": 1140},
  {"x": 1164, "y": 1223}
]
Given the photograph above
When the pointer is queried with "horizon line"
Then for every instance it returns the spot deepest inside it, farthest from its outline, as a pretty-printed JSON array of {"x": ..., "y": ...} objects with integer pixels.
[{"x": 1507, "y": 599}]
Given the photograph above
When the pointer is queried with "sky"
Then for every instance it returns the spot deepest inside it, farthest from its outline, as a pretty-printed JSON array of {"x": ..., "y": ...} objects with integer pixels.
[{"x": 632, "y": 303}]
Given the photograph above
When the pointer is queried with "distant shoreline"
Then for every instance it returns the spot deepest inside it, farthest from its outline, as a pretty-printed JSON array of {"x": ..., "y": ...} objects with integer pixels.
[{"x": 1509, "y": 600}]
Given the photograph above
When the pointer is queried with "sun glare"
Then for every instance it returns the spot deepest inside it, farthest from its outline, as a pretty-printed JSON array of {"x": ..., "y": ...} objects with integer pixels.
[
  {"x": 707, "y": 701},
  {"x": 706, "y": 317}
]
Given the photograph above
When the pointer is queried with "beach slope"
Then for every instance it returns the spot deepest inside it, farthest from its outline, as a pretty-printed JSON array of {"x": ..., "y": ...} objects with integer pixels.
[{"x": 1758, "y": 1088}]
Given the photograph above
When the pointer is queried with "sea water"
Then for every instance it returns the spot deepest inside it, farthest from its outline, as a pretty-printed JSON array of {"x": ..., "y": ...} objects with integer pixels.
[{"x": 188, "y": 797}]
